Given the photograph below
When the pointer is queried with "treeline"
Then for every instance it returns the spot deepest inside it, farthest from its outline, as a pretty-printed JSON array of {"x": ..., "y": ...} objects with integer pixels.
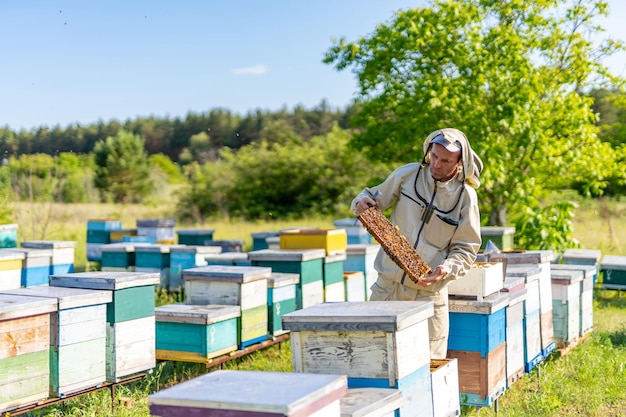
[{"x": 218, "y": 128}]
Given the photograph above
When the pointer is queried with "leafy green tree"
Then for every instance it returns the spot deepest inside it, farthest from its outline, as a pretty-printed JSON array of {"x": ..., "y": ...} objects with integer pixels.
[
  {"x": 122, "y": 168},
  {"x": 508, "y": 73}
]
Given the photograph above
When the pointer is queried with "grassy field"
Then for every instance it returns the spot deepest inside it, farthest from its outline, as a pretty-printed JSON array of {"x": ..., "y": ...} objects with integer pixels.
[{"x": 588, "y": 381}]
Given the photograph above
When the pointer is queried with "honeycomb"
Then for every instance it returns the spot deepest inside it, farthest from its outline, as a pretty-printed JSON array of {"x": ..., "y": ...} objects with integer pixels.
[{"x": 394, "y": 244}]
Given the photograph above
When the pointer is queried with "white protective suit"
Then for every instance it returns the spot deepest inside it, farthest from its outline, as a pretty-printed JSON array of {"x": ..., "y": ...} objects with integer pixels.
[{"x": 451, "y": 236}]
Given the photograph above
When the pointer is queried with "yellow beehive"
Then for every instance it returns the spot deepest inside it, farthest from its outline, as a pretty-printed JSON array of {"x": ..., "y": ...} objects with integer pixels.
[{"x": 333, "y": 241}]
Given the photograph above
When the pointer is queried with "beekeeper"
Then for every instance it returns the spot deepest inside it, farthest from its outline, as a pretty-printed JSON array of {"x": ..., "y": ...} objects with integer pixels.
[{"x": 436, "y": 209}]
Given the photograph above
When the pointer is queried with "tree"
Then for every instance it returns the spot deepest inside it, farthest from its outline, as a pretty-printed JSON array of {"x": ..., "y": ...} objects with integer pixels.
[
  {"x": 510, "y": 74},
  {"x": 122, "y": 169}
]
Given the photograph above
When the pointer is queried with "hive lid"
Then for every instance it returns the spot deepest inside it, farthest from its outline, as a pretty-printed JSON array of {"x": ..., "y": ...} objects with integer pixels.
[
  {"x": 66, "y": 297},
  {"x": 17, "y": 306},
  {"x": 196, "y": 314},
  {"x": 299, "y": 255},
  {"x": 359, "y": 316},
  {"x": 614, "y": 262},
  {"x": 48, "y": 244},
  {"x": 229, "y": 273},
  {"x": 105, "y": 280}
]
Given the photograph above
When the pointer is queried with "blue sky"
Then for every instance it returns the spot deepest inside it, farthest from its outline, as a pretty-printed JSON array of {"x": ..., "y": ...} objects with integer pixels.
[{"x": 72, "y": 61}]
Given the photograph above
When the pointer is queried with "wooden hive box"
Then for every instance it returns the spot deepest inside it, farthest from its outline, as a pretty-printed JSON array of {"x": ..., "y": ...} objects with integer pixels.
[
  {"x": 361, "y": 258},
  {"x": 308, "y": 263},
  {"x": 118, "y": 235},
  {"x": 77, "y": 337},
  {"x": 379, "y": 345},
  {"x": 354, "y": 283},
  {"x": 332, "y": 276},
  {"x": 482, "y": 280},
  {"x": 162, "y": 230},
  {"x": 333, "y": 241},
  {"x": 227, "y": 245},
  {"x": 24, "y": 350},
  {"x": 252, "y": 394},
  {"x": 613, "y": 269},
  {"x": 478, "y": 326},
  {"x": 118, "y": 257},
  {"x": 194, "y": 237},
  {"x": 130, "y": 317},
  {"x": 62, "y": 261},
  {"x": 281, "y": 299},
  {"x": 444, "y": 379},
  {"x": 515, "y": 368},
  {"x": 154, "y": 258},
  {"x": 99, "y": 233},
  {"x": 582, "y": 256},
  {"x": 356, "y": 233},
  {"x": 502, "y": 237},
  {"x": 228, "y": 258},
  {"x": 187, "y": 256},
  {"x": 243, "y": 286},
  {"x": 35, "y": 266},
  {"x": 586, "y": 293},
  {"x": 482, "y": 380},
  {"x": 10, "y": 269},
  {"x": 260, "y": 239},
  {"x": 533, "y": 352},
  {"x": 566, "y": 305},
  {"x": 371, "y": 402},
  {"x": 195, "y": 333},
  {"x": 8, "y": 235}
]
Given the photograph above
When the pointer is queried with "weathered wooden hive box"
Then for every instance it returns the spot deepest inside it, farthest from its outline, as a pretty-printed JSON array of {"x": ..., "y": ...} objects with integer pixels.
[
  {"x": 361, "y": 257},
  {"x": 99, "y": 233},
  {"x": 444, "y": 379},
  {"x": 194, "y": 237},
  {"x": 516, "y": 290},
  {"x": 130, "y": 317},
  {"x": 332, "y": 276},
  {"x": 542, "y": 259},
  {"x": 35, "y": 266},
  {"x": 77, "y": 337},
  {"x": 478, "y": 341},
  {"x": 586, "y": 293},
  {"x": 333, "y": 241},
  {"x": 354, "y": 284},
  {"x": 187, "y": 256},
  {"x": 566, "y": 305},
  {"x": 377, "y": 345},
  {"x": 8, "y": 235},
  {"x": 482, "y": 279},
  {"x": 228, "y": 258},
  {"x": 308, "y": 263},
  {"x": 357, "y": 234},
  {"x": 10, "y": 269},
  {"x": 371, "y": 402},
  {"x": 24, "y": 350},
  {"x": 281, "y": 299},
  {"x": 243, "y": 286},
  {"x": 62, "y": 260},
  {"x": 533, "y": 354},
  {"x": 154, "y": 258},
  {"x": 162, "y": 230},
  {"x": 252, "y": 394},
  {"x": 117, "y": 257},
  {"x": 195, "y": 333},
  {"x": 613, "y": 269},
  {"x": 260, "y": 239},
  {"x": 589, "y": 257}
]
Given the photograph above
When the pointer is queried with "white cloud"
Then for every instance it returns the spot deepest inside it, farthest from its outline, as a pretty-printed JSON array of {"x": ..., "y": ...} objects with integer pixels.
[{"x": 256, "y": 70}]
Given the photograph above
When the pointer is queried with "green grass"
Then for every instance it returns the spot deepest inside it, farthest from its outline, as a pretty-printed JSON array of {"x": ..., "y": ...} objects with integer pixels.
[{"x": 588, "y": 381}]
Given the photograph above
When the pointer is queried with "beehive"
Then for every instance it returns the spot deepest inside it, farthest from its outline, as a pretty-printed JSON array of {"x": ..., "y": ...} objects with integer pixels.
[
  {"x": 77, "y": 337},
  {"x": 377, "y": 345},
  {"x": 361, "y": 258},
  {"x": 481, "y": 280},
  {"x": 99, "y": 233},
  {"x": 281, "y": 299},
  {"x": 356, "y": 233},
  {"x": 566, "y": 305},
  {"x": 130, "y": 317},
  {"x": 118, "y": 257},
  {"x": 252, "y": 394},
  {"x": 195, "y": 333},
  {"x": 308, "y": 263},
  {"x": 11, "y": 269},
  {"x": 444, "y": 380},
  {"x": 194, "y": 237},
  {"x": 24, "y": 350},
  {"x": 243, "y": 286},
  {"x": 516, "y": 291},
  {"x": 35, "y": 266},
  {"x": 332, "y": 276},
  {"x": 354, "y": 283},
  {"x": 228, "y": 258},
  {"x": 333, "y": 241},
  {"x": 62, "y": 261},
  {"x": 187, "y": 256},
  {"x": 162, "y": 230},
  {"x": 613, "y": 269},
  {"x": 154, "y": 258},
  {"x": 502, "y": 237},
  {"x": 586, "y": 293}
]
